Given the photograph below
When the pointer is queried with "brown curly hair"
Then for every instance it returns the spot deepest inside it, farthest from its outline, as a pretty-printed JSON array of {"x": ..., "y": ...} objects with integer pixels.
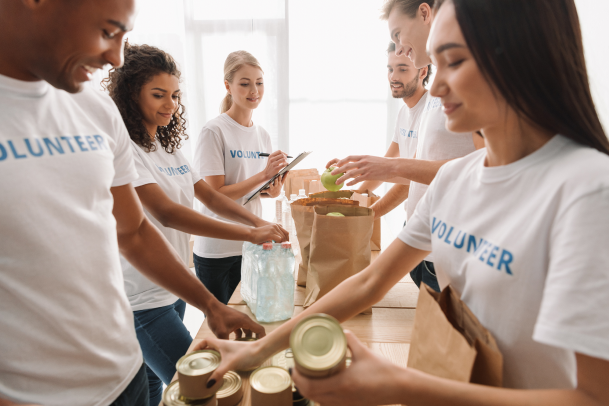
[{"x": 142, "y": 63}]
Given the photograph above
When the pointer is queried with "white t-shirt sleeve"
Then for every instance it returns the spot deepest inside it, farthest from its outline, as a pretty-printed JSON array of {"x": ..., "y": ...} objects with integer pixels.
[
  {"x": 417, "y": 232},
  {"x": 573, "y": 313},
  {"x": 124, "y": 168},
  {"x": 145, "y": 177},
  {"x": 210, "y": 154}
]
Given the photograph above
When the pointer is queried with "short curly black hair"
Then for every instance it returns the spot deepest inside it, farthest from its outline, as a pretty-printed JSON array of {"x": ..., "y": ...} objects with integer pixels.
[{"x": 142, "y": 63}]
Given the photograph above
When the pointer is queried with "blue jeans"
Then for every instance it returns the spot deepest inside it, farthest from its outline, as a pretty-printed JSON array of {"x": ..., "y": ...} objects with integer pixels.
[
  {"x": 219, "y": 275},
  {"x": 164, "y": 339},
  {"x": 136, "y": 393},
  {"x": 425, "y": 272}
]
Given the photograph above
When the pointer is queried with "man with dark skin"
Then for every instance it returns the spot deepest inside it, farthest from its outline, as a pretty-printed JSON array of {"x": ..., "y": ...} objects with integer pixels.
[{"x": 61, "y": 43}]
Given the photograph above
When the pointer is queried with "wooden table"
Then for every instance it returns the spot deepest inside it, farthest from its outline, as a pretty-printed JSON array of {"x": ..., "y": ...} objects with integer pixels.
[{"x": 387, "y": 331}]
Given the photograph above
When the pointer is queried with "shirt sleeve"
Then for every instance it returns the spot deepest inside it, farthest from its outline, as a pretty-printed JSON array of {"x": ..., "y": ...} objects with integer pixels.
[
  {"x": 417, "y": 232},
  {"x": 145, "y": 177},
  {"x": 209, "y": 154},
  {"x": 124, "y": 167},
  {"x": 573, "y": 313}
]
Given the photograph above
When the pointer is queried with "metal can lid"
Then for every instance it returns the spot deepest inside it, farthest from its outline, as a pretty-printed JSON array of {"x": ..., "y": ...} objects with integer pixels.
[
  {"x": 318, "y": 342},
  {"x": 270, "y": 380},
  {"x": 199, "y": 362},
  {"x": 286, "y": 244},
  {"x": 172, "y": 397},
  {"x": 267, "y": 246},
  {"x": 230, "y": 386}
]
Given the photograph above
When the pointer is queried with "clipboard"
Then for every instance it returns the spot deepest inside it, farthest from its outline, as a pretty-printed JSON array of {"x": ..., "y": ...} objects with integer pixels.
[{"x": 289, "y": 167}]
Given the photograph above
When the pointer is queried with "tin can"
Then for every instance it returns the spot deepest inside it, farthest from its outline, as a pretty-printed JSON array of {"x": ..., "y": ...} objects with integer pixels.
[
  {"x": 231, "y": 391},
  {"x": 271, "y": 386},
  {"x": 172, "y": 397},
  {"x": 319, "y": 346},
  {"x": 194, "y": 370}
]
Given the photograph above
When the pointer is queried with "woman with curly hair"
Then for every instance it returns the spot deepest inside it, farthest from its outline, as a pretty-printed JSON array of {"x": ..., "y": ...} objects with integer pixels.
[{"x": 146, "y": 90}]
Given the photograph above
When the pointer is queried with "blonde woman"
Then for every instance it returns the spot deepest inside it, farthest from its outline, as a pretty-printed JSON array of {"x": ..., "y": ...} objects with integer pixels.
[{"x": 227, "y": 155}]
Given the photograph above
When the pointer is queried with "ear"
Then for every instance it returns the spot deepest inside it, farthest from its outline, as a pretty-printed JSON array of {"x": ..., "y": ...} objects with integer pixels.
[
  {"x": 425, "y": 13},
  {"x": 422, "y": 73},
  {"x": 227, "y": 86}
]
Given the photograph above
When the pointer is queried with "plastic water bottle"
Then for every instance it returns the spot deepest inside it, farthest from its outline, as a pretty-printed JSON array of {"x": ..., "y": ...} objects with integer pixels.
[
  {"x": 246, "y": 266},
  {"x": 287, "y": 221},
  {"x": 301, "y": 194},
  {"x": 285, "y": 280},
  {"x": 266, "y": 292},
  {"x": 280, "y": 203}
]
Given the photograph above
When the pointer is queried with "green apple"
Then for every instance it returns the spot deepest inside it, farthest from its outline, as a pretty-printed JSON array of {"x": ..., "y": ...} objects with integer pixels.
[
  {"x": 335, "y": 214},
  {"x": 329, "y": 181}
]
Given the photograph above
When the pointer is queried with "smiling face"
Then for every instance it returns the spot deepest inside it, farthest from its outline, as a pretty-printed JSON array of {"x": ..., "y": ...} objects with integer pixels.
[
  {"x": 74, "y": 39},
  {"x": 159, "y": 100},
  {"x": 247, "y": 88},
  {"x": 469, "y": 102},
  {"x": 403, "y": 77},
  {"x": 410, "y": 34}
]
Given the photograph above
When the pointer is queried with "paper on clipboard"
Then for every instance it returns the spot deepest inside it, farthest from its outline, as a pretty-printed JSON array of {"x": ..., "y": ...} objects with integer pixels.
[{"x": 289, "y": 167}]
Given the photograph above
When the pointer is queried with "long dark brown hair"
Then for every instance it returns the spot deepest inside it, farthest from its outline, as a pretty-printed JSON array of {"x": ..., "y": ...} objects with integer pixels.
[
  {"x": 142, "y": 63},
  {"x": 531, "y": 51}
]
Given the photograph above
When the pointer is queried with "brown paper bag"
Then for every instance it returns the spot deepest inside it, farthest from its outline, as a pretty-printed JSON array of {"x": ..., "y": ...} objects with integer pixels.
[
  {"x": 448, "y": 341},
  {"x": 340, "y": 248},
  {"x": 375, "y": 240},
  {"x": 302, "y": 182},
  {"x": 293, "y": 174},
  {"x": 314, "y": 186},
  {"x": 303, "y": 214}
]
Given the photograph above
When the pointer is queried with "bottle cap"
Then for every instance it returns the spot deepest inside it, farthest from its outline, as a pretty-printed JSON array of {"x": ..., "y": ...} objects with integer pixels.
[
  {"x": 365, "y": 194},
  {"x": 286, "y": 244},
  {"x": 267, "y": 246},
  {"x": 292, "y": 196},
  {"x": 301, "y": 191}
]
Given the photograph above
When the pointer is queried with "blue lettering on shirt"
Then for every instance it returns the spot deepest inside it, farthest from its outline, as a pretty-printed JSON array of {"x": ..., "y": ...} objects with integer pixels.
[
  {"x": 485, "y": 251},
  {"x": 24, "y": 148},
  {"x": 433, "y": 104},
  {"x": 171, "y": 171},
  {"x": 245, "y": 154},
  {"x": 410, "y": 134}
]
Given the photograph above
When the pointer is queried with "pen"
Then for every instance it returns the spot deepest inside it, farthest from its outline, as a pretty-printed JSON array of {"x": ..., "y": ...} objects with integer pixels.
[{"x": 265, "y": 154}]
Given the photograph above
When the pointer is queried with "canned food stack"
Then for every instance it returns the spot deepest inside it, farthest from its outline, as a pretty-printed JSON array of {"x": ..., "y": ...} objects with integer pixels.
[
  {"x": 194, "y": 370},
  {"x": 271, "y": 386},
  {"x": 319, "y": 346}
]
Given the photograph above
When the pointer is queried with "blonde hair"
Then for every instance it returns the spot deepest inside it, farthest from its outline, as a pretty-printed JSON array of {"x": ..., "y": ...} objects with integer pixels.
[{"x": 234, "y": 62}]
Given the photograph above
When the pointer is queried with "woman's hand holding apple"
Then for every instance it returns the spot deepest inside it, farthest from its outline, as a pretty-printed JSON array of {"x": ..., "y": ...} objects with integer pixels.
[{"x": 364, "y": 167}]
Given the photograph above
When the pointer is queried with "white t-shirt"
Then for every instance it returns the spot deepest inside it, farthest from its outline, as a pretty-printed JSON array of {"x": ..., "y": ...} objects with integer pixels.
[
  {"x": 436, "y": 143},
  {"x": 525, "y": 246},
  {"x": 227, "y": 148},
  {"x": 174, "y": 174},
  {"x": 407, "y": 130},
  {"x": 67, "y": 329}
]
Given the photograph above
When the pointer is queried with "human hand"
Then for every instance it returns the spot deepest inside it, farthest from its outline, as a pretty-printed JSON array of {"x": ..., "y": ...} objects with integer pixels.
[
  {"x": 274, "y": 188},
  {"x": 269, "y": 232},
  {"x": 275, "y": 162},
  {"x": 331, "y": 163},
  {"x": 235, "y": 356},
  {"x": 364, "y": 167},
  {"x": 223, "y": 320},
  {"x": 366, "y": 382}
]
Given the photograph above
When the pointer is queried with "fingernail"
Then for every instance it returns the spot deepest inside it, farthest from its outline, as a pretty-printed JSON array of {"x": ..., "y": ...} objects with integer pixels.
[
  {"x": 290, "y": 371},
  {"x": 211, "y": 383}
]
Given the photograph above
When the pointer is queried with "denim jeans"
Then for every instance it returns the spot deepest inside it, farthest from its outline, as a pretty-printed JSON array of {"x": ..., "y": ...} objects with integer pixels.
[
  {"x": 164, "y": 339},
  {"x": 219, "y": 275},
  {"x": 136, "y": 393},
  {"x": 425, "y": 272}
]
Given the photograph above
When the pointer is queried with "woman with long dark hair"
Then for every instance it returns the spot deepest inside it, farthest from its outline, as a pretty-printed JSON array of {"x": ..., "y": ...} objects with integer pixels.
[
  {"x": 146, "y": 90},
  {"x": 519, "y": 229}
]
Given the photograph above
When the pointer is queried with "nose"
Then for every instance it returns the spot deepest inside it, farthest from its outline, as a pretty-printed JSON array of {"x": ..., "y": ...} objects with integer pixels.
[
  {"x": 439, "y": 88},
  {"x": 399, "y": 50},
  {"x": 115, "y": 55}
]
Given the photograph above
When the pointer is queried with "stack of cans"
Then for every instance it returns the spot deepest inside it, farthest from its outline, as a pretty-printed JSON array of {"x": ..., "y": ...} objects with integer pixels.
[
  {"x": 194, "y": 370},
  {"x": 319, "y": 346}
]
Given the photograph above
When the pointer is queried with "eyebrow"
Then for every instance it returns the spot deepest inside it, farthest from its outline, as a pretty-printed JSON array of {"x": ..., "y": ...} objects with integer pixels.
[
  {"x": 400, "y": 64},
  {"x": 447, "y": 46},
  {"x": 163, "y": 90},
  {"x": 118, "y": 24},
  {"x": 249, "y": 79}
]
